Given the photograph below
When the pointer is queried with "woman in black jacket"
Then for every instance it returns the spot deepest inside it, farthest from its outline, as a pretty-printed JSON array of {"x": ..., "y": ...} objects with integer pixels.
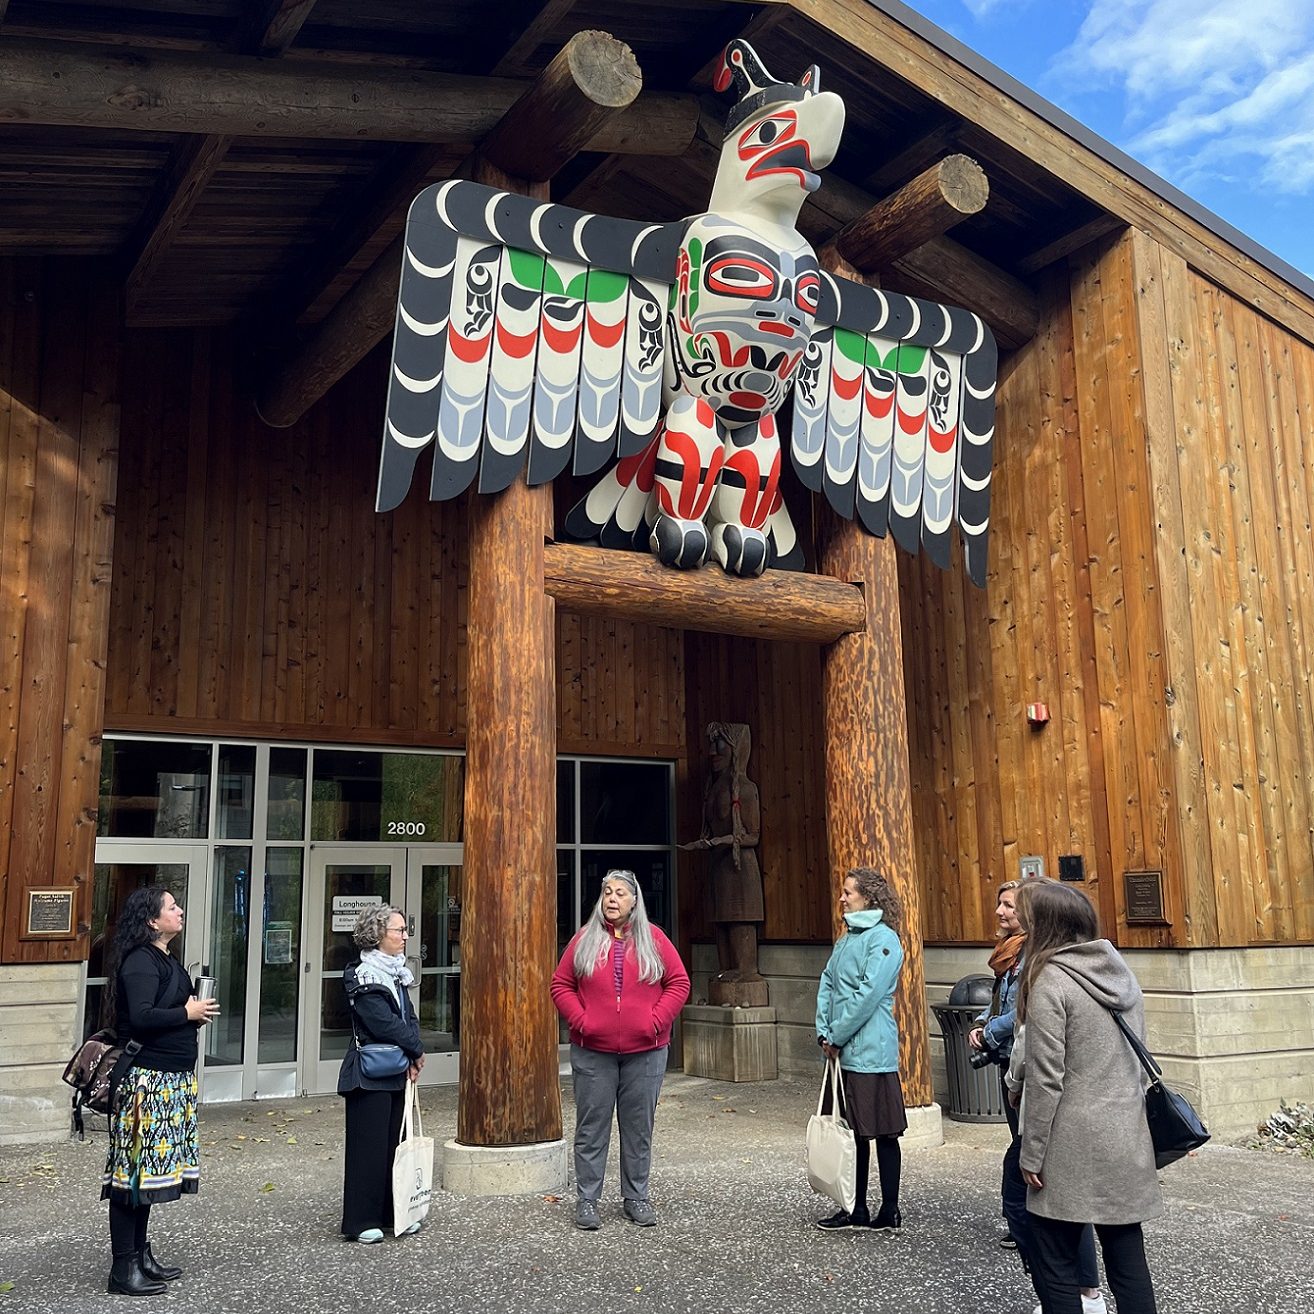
[
  {"x": 153, "y": 1154},
  {"x": 381, "y": 1014}
]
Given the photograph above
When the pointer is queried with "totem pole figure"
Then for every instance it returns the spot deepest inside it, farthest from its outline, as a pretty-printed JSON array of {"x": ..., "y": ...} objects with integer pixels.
[
  {"x": 534, "y": 338},
  {"x": 731, "y": 829}
]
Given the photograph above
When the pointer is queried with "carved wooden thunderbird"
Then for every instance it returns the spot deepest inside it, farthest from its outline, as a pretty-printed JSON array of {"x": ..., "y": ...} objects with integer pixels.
[{"x": 532, "y": 337}]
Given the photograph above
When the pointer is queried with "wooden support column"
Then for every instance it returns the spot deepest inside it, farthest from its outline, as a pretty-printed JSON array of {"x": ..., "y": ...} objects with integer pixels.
[
  {"x": 509, "y": 1094},
  {"x": 869, "y": 820}
]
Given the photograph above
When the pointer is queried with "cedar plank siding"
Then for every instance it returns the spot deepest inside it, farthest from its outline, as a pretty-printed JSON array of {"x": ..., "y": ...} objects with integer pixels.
[
  {"x": 260, "y": 595},
  {"x": 58, "y": 456},
  {"x": 1152, "y": 580}
]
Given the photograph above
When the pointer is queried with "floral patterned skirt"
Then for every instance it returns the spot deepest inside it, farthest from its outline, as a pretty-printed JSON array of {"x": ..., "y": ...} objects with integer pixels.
[{"x": 154, "y": 1154}]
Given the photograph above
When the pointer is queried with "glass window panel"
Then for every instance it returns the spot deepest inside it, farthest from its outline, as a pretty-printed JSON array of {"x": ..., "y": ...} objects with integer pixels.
[
  {"x": 353, "y": 882},
  {"x": 280, "y": 956},
  {"x": 653, "y": 871},
  {"x": 154, "y": 789},
  {"x": 230, "y": 921},
  {"x": 568, "y": 911},
  {"x": 437, "y": 945},
  {"x": 387, "y": 796},
  {"x": 565, "y": 802},
  {"x": 114, "y": 882},
  {"x": 236, "y": 791},
  {"x": 625, "y": 802},
  {"x": 287, "y": 794}
]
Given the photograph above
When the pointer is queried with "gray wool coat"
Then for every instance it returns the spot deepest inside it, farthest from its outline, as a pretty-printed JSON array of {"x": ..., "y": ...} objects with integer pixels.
[{"x": 1083, "y": 1102}]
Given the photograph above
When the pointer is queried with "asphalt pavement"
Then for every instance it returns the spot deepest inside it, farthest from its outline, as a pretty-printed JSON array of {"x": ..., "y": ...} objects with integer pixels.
[{"x": 735, "y": 1234}]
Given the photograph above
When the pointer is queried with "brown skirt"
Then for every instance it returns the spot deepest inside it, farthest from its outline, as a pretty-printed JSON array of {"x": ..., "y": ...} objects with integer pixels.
[{"x": 873, "y": 1103}]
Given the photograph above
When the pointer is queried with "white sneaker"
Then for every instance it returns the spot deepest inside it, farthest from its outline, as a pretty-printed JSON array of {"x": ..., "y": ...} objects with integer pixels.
[{"x": 1089, "y": 1305}]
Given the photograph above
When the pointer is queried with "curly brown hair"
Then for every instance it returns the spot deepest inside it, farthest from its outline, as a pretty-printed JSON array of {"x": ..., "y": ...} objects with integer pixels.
[{"x": 878, "y": 893}]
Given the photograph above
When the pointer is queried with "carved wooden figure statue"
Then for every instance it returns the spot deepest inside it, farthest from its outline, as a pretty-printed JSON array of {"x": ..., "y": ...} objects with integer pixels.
[
  {"x": 532, "y": 337},
  {"x": 732, "y": 826}
]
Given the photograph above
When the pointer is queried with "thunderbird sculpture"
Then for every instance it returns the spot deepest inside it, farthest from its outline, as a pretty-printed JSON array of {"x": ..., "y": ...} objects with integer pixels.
[{"x": 533, "y": 337}]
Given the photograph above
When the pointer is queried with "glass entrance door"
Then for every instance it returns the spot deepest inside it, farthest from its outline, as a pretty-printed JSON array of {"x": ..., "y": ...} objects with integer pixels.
[
  {"x": 122, "y": 868},
  {"x": 422, "y": 880}
]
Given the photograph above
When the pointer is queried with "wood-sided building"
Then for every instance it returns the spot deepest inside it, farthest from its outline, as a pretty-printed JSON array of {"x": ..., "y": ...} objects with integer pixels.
[{"x": 221, "y": 669}]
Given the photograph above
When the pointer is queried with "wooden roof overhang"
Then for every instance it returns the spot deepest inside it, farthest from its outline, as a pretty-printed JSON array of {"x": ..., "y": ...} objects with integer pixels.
[{"x": 245, "y": 162}]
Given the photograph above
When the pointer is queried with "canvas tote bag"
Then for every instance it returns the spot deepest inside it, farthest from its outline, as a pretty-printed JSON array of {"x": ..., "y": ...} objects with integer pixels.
[
  {"x": 831, "y": 1152},
  {"x": 412, "y": 1169}
]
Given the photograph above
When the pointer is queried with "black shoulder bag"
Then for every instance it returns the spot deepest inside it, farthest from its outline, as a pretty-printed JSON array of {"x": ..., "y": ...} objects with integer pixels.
[
  {"x": 1175, "y": 1127},
  {"x": 380, "y": 1060}
]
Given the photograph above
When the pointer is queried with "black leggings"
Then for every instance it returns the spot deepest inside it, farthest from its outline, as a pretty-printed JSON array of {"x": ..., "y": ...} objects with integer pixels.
[
  {"x": 127, "y": 1228},
  {"x": 889, "y": 1161}
]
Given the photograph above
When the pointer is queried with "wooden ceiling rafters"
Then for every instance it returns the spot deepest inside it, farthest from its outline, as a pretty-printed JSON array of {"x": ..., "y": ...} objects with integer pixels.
[
  {"x": 271, "y": 28},
  {"x": 234, "y": 181}
]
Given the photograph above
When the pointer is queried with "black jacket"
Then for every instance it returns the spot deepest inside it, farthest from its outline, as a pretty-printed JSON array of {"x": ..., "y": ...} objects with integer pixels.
[
  {"x": 377, "y": 1019},
  {"x": 153, "y": 990}
]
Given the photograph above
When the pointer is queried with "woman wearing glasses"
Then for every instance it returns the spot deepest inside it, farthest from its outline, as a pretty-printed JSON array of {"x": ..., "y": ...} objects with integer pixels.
[
  {"x": 381, "y": 1014},
  {"x": 619, "y": 986}
]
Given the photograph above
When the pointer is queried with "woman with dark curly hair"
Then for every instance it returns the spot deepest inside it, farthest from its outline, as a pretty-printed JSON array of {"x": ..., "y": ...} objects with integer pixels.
[
  {"x": 153, "y": 1154},
  {"x": 381, "y": 1014},
  {"x": 855, "y": 1024}
]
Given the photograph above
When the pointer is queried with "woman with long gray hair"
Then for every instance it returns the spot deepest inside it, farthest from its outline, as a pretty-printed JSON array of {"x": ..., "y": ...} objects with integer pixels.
[{"x": 619, "y": 986}]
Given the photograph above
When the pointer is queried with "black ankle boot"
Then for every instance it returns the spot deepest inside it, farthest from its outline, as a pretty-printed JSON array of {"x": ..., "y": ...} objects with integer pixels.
[
  {"x": 127, "y": 1279},
  {"x": 154, "y": 1269}
]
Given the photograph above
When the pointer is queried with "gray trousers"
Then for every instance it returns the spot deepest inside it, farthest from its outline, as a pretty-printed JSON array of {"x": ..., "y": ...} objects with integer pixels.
[{"x": 628, "y": 1084}]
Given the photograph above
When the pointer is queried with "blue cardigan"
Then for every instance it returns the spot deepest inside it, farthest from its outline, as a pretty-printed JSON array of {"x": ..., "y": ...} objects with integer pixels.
[{"x": 855, "y": 999}]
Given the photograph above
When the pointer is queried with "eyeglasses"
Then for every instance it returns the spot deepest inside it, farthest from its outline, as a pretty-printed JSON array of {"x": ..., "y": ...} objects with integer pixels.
[{"x": 395, "y": 930}]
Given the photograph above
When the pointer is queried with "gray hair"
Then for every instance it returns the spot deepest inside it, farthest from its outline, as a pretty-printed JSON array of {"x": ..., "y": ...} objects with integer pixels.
[
  {"x": 371, "y": 924},
  {"x": 596, "y": 938}
]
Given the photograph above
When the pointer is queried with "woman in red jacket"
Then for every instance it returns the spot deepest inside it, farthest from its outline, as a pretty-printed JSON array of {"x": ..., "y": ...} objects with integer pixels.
[{"x": 619, "y": 986}]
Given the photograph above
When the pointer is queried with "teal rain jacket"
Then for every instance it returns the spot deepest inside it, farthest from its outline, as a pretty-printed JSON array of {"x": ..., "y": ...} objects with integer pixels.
[{"x": 855, "y": 1000}]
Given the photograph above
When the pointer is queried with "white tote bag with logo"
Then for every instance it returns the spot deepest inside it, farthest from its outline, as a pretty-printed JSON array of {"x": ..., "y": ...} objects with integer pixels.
[
  {"x": 831, "y": 1151},
  {"x": 412, "y": 1169}
]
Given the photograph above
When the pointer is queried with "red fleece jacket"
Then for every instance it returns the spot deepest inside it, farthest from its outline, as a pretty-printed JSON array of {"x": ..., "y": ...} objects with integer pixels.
[{"x": 639, "y": 1019}]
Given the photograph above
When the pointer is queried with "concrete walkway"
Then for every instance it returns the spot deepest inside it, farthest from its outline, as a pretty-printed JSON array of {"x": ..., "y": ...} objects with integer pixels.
[{"x": 735, "y": 1234}]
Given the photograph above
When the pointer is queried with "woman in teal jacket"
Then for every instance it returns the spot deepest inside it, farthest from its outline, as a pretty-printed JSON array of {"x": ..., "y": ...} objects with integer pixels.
[{"x": 855, "y": 1024}]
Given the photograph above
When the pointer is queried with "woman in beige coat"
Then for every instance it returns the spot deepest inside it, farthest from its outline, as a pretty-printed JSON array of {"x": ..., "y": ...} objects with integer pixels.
[{"x": 1086, "y": 1151}]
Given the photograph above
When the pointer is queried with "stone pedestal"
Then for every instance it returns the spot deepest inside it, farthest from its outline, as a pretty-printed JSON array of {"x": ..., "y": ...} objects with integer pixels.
[
  {"x": 730, "y": 1044},
  {"x": 738, "y": 994},
  {"x": 538, "y": 1169}
]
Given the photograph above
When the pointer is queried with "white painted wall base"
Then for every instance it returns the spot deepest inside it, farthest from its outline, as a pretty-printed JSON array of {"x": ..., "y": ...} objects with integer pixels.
[{"x": 538, "y": 1169}]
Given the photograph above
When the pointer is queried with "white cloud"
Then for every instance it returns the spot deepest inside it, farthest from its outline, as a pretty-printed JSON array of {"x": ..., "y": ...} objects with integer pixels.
[
  {"x": 980, "y": 9},
  {"x": 1214, "y": 89}
]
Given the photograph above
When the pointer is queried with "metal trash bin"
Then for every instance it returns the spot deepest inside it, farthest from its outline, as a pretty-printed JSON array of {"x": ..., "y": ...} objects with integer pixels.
[{"x": 974, "y": 1093}]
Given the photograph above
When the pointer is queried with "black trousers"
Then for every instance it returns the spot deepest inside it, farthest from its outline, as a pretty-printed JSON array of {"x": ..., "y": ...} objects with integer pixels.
[
  {"x": 1054, "y": 1249},
  {"x": 374, "y": 1119}
]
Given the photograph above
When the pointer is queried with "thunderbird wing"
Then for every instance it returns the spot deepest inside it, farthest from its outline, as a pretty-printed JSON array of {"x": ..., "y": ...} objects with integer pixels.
[
  {"x": 529, "y": 336},
  {"x": 894, "y": 418}
]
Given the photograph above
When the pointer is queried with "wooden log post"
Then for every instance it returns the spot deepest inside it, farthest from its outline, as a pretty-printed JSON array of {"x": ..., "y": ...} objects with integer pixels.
[
  {"x": 934, "y": 202},
  {"x": 869, "y": 820},
  {"x": 509, "y": 1095}
]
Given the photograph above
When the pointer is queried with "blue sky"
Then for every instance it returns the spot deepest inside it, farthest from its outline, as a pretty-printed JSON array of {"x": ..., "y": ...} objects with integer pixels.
[{"x": 1216, "y": 96}]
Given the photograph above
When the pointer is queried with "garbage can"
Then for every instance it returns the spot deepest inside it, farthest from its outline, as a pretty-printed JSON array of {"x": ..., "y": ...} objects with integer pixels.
[{"x": 974, "y": 1094}]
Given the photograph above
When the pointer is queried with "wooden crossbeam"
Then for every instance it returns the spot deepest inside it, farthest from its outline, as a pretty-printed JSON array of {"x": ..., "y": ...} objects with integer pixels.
[
  {"x": 515, "y": 57},
  {"x": 1073, "y": 240},
  {"x": 193, "y": 165},
  {"x": 944, "y": 269},
  {"x": 780, "y": 604},
  {"x": 930, "y": 205},
  {"x": 934, "y": 144},
  {"x": 53, "y": 82},
  {"x": 569, "y": 103},
  {"x": 274, "y": 26}
]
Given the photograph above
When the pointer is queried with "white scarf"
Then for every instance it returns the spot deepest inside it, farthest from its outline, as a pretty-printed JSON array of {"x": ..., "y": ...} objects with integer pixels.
[{"x": 385, "y": 969}]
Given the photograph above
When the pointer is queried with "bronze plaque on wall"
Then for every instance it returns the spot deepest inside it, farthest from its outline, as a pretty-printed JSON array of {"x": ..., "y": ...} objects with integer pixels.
[
  {"x": 1143, "y": 894},
  {"x": 49, "y": 912}
]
